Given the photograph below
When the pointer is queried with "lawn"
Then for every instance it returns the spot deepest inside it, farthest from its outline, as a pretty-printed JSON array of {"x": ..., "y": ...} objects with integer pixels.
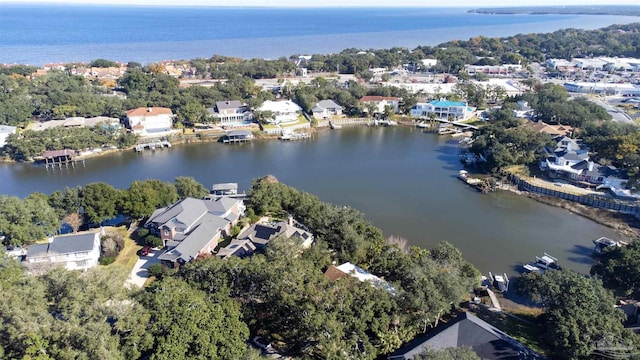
[
  {"x": 127, "y": 258},
  {"x": 522, "y": 327},
  {"x": 301, "y": 121}
]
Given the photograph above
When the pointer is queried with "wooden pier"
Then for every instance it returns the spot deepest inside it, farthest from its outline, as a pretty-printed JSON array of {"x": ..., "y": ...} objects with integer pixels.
[
  {"x": 152, "y": 145},
  {"x": 60, "y": 158}
]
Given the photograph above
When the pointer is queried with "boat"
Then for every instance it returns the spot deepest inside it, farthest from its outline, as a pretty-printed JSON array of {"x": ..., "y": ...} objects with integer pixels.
[
  {"x": 500, "y": 282},
  {"x": 423, "y": 125},
  {"x": 547, "y": 262},
  {"x": 464, "y": 176},
  {"x": 531, "y": 268},
  {"x": 334, "y": 126},
  {"x": 604, "y": 242}
]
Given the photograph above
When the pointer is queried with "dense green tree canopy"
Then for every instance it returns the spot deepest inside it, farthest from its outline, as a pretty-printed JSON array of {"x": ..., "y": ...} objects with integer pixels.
[
  {"x": 25, "y": 221},
  {"x": 579, "y": 311},
  {"x": 619, "y": 269}
]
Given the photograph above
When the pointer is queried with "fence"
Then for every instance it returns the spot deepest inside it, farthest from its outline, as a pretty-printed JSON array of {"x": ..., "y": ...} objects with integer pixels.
[
  {"x": 343, "y": 121},
  {"x": 598, "y": 201}
]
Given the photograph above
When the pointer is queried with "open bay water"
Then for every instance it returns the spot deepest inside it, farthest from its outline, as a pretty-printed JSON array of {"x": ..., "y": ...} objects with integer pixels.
[
  {"x": 404, "y": 181},
  {"x": 39, "y": 34}
]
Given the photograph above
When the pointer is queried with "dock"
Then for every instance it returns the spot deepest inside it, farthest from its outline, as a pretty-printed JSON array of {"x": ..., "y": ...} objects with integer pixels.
[
  {"x": 237, "y": 137},
  {"x": 152, "y": 145},
  {"x": 295, "y": 136},
  {"x": 59, "y": 158}
]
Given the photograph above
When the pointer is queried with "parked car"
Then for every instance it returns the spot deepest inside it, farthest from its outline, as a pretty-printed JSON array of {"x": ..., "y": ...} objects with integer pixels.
[{"x": 145, "y": 250}]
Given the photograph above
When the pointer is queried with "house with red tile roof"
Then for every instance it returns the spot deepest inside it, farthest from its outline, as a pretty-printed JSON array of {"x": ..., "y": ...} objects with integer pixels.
[{"x": 150, "y": 121}]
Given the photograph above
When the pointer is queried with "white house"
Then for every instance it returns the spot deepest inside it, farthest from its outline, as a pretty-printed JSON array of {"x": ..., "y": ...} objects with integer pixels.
[
  {"x": 283, "y": 111},
  {"x": 231, "y": 113},
  {"x": 149, "y": 121},
  {"x": 381, "y": 102},
  {"x": 5, "y": 131},
  {"x": 73, "y": 252},
  {"x": 325, "y": 109},
  {"x": 443, "y": 109}
]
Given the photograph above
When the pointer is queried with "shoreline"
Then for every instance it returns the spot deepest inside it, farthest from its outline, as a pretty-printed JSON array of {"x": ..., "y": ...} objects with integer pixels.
[{"x": 625, "y": 225}]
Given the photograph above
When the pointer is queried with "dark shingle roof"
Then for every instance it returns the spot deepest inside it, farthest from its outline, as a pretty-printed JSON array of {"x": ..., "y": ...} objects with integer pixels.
[
  {"x": 67, "y": 244},
  {"x": 468, "y": 330}
]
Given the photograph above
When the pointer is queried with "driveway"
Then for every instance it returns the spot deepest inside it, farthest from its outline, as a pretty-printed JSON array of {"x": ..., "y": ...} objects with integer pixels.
[{"x": 139, "y": 274}]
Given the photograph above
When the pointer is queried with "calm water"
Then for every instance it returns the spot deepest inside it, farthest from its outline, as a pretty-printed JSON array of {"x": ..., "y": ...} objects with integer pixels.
[
  {"x": 38, "y": 34},
  {"x": 404, "y": 182}
]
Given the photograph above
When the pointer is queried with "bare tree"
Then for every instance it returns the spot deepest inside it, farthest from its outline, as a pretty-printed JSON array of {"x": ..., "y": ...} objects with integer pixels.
[
  {"x": 400, "y": 242},
  {"x": 74, "y": 220}
]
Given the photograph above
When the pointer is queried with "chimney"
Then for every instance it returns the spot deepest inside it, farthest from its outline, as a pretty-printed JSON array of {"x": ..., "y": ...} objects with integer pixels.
[
  {"x": 290, "y": 220},
  {"x": 590, "y": 165}
]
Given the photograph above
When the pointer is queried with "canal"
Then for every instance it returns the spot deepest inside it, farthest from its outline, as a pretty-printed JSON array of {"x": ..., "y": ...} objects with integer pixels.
[{"x": 404, "y": 181}]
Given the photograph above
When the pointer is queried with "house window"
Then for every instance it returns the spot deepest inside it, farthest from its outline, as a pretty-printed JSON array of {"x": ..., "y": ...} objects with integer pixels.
[
  {"x": 166, "y": 232},
  {"x": 566, "y": 163}
]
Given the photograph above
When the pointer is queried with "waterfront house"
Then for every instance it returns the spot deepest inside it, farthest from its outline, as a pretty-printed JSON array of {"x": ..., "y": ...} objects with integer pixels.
[
  {"x": 261, "y": 234},
  {"x": 569, "y": 159},
  {"x": 150, "y": 121},
  {"x": 334, "y": 273},
  {"x": 283, "y": 111},
  {"x": 381, "y": 102},
  {"x": 442, "y": 109},
  {"x": 325, "y": 109},
  {"x": 180, "y": 219},
  {"x": 73, "y": 252},
  {"x": 467, "y": 330},
  {"x": 5, "y": 131},
  {"x": 231, "y": 113},
  {"x": 239, "y": 248}
]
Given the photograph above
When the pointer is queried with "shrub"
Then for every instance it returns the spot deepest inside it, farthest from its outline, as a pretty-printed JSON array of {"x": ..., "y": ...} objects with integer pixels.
[
  {"x": 142, "y": 232},
  {"x": 153, "y": 241},
  {"x": 158, "y": 270},
  {"x": 106, "y": 260}
]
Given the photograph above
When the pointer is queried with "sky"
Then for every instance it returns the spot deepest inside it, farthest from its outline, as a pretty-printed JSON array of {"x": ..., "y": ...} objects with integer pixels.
[{"x": 336, "y": 3}]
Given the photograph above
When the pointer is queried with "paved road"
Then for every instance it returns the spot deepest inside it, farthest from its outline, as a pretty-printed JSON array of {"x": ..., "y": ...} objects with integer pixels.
[
  {"x": 139, "y": 274},
  {"x": 617, "y": 115}
]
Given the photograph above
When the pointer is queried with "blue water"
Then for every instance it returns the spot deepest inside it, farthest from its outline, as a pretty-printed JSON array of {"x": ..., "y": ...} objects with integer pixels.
[{"x": 37, "y": 34}]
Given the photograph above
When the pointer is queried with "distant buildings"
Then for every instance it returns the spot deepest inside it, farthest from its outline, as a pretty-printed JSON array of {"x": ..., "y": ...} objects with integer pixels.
[
  {"x": 603, "y": 88},
  {"x": 325, "y": 109}
]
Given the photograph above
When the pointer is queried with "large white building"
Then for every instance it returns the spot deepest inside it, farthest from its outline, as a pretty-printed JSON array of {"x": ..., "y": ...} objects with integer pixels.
[
  {"x": 443, "y": 109},
  {"x": 603, "y": 88},
  {"x": 150, "y": 121},
  {"x": 283, "y": 111},
  {"x": 231, "y": 113}
]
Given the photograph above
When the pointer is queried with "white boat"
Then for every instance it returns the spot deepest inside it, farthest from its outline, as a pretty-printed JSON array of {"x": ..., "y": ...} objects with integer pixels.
[
  {"x": 423, "y": 125},
  {"x": 604, "y": 242},
  {"x": 547, "y": 262},
  {"x": 529, "y": 268},
  {"x": 500, "y": 282}
]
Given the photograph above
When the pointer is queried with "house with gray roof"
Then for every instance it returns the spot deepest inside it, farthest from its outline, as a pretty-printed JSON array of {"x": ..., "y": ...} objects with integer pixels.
[
  {"x": 201, "y": 241},
  {"x": 325, "y": 109},
  {"x": 569, "y": 159},
  {"x": 260, "y": 234},
  {"x": 178, "y": 220},
  {"x": 468, "y": 330},
  {"x": 73, "y": 252},
  {"x": 239, "y": 248},
  {"x": 231, "y": 113},
  {"x": 192, "y": 227}
]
